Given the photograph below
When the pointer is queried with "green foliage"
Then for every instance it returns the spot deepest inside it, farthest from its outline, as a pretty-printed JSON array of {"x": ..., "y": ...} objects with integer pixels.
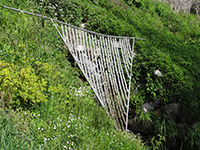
[
  {"x": 166, "y": 127},
  {"x": 193, "y": 139},
  {"x": 145, "y": 117},
  {"x": 60, "y": 110},
  {"x": 37, "y": 70},
  {"x": 69, "y": 11},
  {"x": 163, "y": 87},
  {"x": 14, "y": 131},
  {"x": 157, "y": 141},
  {"x": 20, "y": 86},
  {"x": 69, "y": 127},
  {"x": 136, "y": 100},
  {"x": 152, "y": 89}
]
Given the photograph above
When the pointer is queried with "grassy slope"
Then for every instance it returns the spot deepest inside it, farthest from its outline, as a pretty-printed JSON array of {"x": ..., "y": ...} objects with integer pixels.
[
  {"x": 171, "y": 45},
  {"x": 70, "y": 117}
]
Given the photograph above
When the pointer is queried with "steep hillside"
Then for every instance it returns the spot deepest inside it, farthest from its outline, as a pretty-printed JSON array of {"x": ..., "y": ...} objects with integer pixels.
[
  {"x": 39, "y": 77},
  {"x": 43, "y": 102}
]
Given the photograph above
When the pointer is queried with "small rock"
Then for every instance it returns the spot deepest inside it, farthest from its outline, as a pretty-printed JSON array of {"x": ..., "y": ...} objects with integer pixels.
[{"x": 172, "y": 110}]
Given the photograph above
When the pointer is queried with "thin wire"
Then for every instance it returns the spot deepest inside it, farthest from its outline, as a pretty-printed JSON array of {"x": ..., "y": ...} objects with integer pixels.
[
  {"x": 111, "y": 87},
  {"x": 22, "y": 11}
]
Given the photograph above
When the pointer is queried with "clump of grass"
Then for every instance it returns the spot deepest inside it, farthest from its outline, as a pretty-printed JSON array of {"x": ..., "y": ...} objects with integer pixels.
[
  {"x": 193, "y": 139},
  {"x": 69, "y": 128},
  {"x": 14, "y": 130}
]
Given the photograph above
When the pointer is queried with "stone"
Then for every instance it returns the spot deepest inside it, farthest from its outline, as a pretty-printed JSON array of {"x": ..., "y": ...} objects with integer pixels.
[
  {"x": 171, "y": 110},
  {"x": 136, "y": 126}
]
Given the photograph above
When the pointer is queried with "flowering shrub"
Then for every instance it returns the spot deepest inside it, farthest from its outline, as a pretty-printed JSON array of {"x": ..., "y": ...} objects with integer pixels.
[{"x": 20, "y": 86}]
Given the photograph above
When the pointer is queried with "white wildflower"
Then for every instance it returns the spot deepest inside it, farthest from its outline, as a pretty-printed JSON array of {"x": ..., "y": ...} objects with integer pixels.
[{"x": 158, "y": 73}]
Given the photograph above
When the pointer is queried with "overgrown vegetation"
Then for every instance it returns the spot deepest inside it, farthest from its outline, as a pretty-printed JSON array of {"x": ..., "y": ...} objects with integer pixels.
[
  {"x": 44, "y": 105},
  {"x": 50, "y": 109}
]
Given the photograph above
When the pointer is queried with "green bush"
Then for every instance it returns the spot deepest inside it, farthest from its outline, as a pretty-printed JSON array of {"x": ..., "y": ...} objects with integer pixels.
[{"x": 20, "y": 86}]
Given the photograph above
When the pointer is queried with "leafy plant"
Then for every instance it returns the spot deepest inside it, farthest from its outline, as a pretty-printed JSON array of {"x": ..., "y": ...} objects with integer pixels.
[
  {"x": 23, "y": 87},
  {"x": 157, "y": 141},
  {"x": 194, "y": 137},
  {"x": 166, "y": 127},
  {"x": 171, "y": 46},
  {"x": 145, "y": 118}
]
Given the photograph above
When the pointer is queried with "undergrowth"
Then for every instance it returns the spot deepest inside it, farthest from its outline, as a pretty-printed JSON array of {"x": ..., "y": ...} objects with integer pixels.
[{"x": 44, "y": 105}]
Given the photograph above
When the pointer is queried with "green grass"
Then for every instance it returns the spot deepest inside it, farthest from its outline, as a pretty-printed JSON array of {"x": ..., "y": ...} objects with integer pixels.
[
  {"x": 69, "y": 117},
  {"x": 171, "y": 45},
  {"x": 79, "y": 125}
]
